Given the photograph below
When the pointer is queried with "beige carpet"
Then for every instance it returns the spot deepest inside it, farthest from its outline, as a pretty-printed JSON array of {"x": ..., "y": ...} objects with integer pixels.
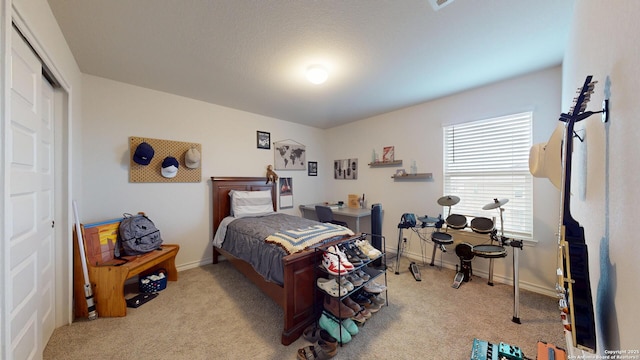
[{"x": 213, "y": 312}]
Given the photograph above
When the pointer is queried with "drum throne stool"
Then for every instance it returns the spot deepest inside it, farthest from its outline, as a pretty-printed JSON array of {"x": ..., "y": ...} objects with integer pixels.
[{"x": 439, "y": 239}]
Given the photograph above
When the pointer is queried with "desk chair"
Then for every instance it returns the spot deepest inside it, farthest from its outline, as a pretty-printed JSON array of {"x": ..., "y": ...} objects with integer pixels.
[{"x": 325, "y": 215}]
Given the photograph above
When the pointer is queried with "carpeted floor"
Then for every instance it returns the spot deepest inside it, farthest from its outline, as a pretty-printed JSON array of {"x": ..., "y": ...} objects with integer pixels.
[{"x": 213, "y": 312}]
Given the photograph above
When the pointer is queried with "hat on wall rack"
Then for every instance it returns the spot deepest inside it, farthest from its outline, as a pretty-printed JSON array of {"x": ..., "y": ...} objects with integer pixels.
[
  {"x": 192, "y": 158},
  {"x": 170, "y": 167},
  {"x": 143, "y": 154}
]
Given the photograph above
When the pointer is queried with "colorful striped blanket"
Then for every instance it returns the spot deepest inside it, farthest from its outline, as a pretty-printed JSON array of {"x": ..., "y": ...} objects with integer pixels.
[{"x": 293, "y": 241}]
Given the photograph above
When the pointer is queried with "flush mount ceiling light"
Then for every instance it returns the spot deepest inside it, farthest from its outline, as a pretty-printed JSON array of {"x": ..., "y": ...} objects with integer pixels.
[
  {"x": 317, "y": 74},
  {"x": 439, "y": 4}
]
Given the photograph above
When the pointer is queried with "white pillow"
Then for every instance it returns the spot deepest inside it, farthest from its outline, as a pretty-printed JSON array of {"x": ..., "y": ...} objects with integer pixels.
[{"x": 251, "y": 203}]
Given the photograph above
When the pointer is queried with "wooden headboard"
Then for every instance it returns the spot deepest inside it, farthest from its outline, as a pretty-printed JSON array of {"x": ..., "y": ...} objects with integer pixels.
[{"x": 222, "y": 186}]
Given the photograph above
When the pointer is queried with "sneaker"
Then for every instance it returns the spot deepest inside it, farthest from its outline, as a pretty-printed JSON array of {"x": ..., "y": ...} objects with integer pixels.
[
  {"x": 359, "y": 317},
  {"x": 364, "y": 301},
  {"x": 354, "y": 279},
  {"x": 362, "y": 275},
  {"x": 351, "y": 256},
  {"x": 334, "y": 328},
  {"x": 344, "y": 262},
  {"x": 374, "y": 288},
  {"x": 356, "y": 250},
  {"x": 369, "y": 250},
  {"x": 345, "y": 283},
  {"x": 332, "y": 264},
  {"x": 365, "y": 313},
  {"x": 375, "y": 298},
  {"x": 361, "y": 299},
  {"x": 373, "y": 308},
  {"x": 351, "y": 327}
]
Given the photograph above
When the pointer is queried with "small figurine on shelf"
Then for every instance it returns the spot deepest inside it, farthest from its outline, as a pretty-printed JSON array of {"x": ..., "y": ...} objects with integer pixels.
[
  {"x": 414, "y": 168},
  {"x": 271, "y": 175}
]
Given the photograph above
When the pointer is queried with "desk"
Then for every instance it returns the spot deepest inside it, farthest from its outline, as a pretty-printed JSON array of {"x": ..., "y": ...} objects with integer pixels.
[{"x": 352, "y": 217}]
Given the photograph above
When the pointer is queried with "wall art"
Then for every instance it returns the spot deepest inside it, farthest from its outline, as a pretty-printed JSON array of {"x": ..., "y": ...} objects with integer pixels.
[
  {"x": 289, "y": 155},
  {"x": 345, "y": 169}
]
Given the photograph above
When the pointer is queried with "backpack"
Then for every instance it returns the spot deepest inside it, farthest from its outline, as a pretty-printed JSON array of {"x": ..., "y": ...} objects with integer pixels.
[{"x": 137, "y": 234}]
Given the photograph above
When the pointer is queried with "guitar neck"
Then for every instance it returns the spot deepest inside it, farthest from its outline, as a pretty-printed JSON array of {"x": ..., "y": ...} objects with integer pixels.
[
  {"x": 573, "y": 258},
  {"x": 570, "y": 119}
]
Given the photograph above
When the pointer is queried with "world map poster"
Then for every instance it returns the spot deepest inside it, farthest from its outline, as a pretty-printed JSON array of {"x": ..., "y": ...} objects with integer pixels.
[{"x": 289, "y": 156}]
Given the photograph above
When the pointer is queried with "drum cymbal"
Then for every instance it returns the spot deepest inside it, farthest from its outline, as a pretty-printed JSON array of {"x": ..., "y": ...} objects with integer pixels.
[
  {"x": 495, "y": 204},
  {"x": 448, "y": 200}
]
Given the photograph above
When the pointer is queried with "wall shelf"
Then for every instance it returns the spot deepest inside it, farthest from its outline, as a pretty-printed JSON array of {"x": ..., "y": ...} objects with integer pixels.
[
  {"x": 385, "y": 163},
  {"x": 421, "y": 176}
]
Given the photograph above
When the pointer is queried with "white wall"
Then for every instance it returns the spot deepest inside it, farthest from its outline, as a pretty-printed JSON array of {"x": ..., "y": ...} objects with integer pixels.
[
  {"x": 602, "y": 43},
  {"x": 416, "y": 133},
  {"x": 114, "y": 111}
]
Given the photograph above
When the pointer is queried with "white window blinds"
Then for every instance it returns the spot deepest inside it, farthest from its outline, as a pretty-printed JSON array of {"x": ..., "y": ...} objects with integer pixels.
[{"x": 489, "y": 159}]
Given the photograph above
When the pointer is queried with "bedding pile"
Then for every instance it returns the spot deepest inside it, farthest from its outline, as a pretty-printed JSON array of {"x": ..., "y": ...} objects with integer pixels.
[{"x": 293, "y": 241}]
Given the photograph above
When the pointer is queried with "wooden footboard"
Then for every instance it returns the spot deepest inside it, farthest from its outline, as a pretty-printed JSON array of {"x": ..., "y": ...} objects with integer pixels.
[
  {"x": 300, "y": 295},
  {"x": 295, "y": 297}
]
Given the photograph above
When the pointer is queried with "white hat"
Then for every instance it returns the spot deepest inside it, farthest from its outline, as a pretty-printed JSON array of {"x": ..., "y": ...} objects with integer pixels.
[
  {"x": 192, "y": 158},
  {"x": 170, "y": 167},
  {"x": 545, "y": 159}
]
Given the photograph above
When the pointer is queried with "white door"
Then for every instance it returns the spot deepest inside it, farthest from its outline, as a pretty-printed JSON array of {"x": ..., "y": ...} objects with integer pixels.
[
  {"x": 30, "y": 287},
  {"x": 46, "y": 252}
]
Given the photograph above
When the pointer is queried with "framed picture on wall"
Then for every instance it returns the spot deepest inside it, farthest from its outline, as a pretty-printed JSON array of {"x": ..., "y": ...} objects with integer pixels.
[
  {"x": 264, "y": 140},
  {"x": 286, "y": 193},
  {"x": 345, "y": 169},
  {"x": 312, "y": 169},
  {"x": 388, "y": 154},
  {"x": 289, "y": 156}
]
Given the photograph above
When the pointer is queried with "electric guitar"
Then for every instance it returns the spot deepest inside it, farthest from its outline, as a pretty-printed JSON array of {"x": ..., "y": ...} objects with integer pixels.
[{"x": 574, "y": 286}]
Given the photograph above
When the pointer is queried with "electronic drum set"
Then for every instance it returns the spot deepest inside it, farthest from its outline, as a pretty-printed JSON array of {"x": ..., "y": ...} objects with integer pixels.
[{"x": 466, "y": 252}]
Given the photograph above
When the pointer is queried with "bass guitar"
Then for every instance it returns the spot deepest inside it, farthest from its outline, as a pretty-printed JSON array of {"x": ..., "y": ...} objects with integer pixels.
[{"x": 574, "y": 286}]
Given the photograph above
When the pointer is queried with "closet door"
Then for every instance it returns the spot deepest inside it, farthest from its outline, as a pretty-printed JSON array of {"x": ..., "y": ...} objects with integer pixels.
[{"x": 30, "y": 278}]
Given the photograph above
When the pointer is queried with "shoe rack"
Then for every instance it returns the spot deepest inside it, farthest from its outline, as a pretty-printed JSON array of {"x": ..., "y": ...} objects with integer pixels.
[{"x": 375, "y": 267}]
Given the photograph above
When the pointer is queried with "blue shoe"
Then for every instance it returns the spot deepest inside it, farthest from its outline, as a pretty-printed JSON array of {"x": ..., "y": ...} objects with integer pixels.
[
  {"x": 334, "y": 329},
  {"x": 351, "y": 326}
]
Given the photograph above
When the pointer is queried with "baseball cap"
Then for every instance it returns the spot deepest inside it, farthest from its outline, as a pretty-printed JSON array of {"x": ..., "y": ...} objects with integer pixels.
[
  {"x": 192, "y": 158},
  {"x": 143, "y": 154},
  {"x": 170, "y": 167}
]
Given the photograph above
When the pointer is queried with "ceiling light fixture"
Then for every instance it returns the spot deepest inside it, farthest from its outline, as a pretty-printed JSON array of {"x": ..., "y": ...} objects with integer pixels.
[
  {"x": 317, "y": 74},
  {"x": 439, "y": 4}
]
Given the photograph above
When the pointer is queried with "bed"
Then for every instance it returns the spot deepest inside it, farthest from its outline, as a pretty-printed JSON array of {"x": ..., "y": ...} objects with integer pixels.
[{"x": 296, "y": 294}]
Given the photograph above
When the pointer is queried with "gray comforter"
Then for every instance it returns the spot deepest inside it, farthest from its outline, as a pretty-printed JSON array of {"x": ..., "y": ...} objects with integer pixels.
[{"x": 245, "y": 239}]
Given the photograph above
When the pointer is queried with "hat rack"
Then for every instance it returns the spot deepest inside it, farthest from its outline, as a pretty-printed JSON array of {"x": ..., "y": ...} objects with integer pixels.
[{"x": 151, "y": 173}]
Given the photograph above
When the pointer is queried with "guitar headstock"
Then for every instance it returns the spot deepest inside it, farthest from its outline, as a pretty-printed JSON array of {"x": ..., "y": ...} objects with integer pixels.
[{"x": 578, "y": 112}]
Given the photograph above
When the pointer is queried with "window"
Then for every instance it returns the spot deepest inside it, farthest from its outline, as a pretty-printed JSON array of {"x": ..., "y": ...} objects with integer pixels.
[{"x": 489, "y": 159}]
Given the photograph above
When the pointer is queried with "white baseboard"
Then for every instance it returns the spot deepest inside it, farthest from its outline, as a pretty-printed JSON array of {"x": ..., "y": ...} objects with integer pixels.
[
  {"x": 194, "y": 264},
  {"x": 536, "y": 288}
]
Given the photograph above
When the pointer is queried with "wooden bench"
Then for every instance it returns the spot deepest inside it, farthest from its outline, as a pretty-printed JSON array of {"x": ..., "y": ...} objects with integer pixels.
[{"x": 107, "y": 274}]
